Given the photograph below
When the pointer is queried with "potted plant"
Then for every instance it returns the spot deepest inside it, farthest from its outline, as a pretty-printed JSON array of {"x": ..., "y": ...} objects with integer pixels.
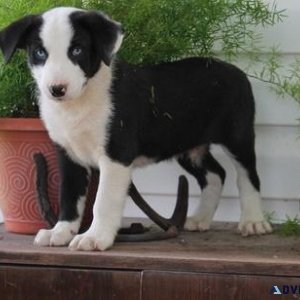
[
  {"x": 22, "y": 134},
  {"x": 158, "y": 30}
]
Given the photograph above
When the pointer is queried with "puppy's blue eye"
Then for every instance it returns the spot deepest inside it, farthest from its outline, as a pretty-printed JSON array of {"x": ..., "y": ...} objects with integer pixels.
[
  {"x": 76, "y": 51},
  {"x": 40, "y": 53}
]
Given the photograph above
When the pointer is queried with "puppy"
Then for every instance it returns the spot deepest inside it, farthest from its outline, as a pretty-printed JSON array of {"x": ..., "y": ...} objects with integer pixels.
[{"x": 106, "y": 114}]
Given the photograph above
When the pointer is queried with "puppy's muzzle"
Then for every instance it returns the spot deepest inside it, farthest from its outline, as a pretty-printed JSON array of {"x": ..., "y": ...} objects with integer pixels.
[{"x": 58, "y": 90}]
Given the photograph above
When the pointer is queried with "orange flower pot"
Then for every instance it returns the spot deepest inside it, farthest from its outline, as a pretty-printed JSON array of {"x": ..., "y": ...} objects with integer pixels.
[{"x": 20, "y": 139}]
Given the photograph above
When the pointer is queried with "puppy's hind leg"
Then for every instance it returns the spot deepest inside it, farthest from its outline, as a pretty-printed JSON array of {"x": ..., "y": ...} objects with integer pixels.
[
  {"x": 252, "y": 220},
  {"x": 210, "y": 176},
  {"x": 73, "y": 188}
]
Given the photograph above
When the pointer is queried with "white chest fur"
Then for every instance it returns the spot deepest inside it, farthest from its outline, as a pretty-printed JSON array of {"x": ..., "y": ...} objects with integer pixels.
[{"x": 80, "y": 125}]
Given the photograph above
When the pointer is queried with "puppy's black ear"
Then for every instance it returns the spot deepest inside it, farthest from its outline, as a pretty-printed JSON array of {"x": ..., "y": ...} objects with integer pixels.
[
  {"x": 14, "y": 36},
  {"x": 107, "y": 33}
]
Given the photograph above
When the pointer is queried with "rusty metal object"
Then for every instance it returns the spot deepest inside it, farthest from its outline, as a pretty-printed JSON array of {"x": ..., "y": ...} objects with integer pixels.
[{"x": 179, "y": 215}]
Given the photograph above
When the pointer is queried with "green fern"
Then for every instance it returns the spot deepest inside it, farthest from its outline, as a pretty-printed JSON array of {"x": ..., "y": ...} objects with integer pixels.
[{"x": 291, "y": 227}]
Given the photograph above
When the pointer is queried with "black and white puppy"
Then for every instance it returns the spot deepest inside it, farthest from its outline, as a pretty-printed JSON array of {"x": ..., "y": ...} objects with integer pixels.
[{"x": 114, "y": 116}]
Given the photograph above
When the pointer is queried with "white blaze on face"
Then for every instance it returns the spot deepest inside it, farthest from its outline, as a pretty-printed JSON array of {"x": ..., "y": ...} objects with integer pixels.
[{"x": 56, "y": 35}]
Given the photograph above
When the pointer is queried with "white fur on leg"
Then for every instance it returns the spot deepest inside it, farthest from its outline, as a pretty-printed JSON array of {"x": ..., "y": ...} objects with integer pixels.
[
  {"x": 210, "y": 197},
  {"x": 252, "y": 220},
  {"x": 63, "y": 232},
  {"x": 60, "y": 235},
  {"x": 108, "y": 208}
]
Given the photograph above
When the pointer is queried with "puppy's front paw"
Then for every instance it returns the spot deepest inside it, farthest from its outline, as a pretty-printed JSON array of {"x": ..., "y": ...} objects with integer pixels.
[
  {"x": 43, "y": 237},
  {"x": 93, "y": 239},
  {"x": 60, "y": 235},
  {"x": 197, "y": 224},
  {"x": 254, "y": 228}
]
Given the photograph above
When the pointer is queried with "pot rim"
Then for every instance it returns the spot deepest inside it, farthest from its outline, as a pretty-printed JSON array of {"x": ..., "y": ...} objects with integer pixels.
[{"x": 21, "y": 124}]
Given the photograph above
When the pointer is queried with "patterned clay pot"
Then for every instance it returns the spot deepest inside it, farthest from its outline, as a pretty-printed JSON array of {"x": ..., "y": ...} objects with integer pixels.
[{"x": 20, "y": 139}]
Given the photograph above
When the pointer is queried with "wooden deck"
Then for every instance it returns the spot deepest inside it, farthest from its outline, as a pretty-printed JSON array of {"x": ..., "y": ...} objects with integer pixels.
[{"x": 198, "y": 257}]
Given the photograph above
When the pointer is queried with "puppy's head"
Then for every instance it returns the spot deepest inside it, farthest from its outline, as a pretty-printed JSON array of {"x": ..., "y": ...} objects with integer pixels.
[{"x": 66, "y": 47}]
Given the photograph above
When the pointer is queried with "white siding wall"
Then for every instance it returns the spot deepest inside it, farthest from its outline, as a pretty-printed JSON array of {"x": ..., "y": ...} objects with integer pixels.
[{"x": 277, "y": 146}]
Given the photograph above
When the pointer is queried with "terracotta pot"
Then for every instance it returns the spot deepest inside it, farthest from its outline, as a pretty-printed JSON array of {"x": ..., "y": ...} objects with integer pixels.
[{"x": 20, "y": 139}]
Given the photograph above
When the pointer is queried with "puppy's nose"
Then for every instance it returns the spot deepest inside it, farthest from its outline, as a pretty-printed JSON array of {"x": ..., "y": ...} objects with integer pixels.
[{"x": 58, "y": 90}]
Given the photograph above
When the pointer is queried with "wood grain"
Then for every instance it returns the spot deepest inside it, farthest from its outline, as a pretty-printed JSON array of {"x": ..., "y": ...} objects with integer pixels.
[
  {"x": 218, "y": 251},
  {"x": 19, "y": 283},
  {"x": 191, "y": 286}
]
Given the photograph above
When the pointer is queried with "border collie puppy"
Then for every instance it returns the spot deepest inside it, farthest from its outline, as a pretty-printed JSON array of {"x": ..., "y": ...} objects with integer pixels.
[{"x": 105, "y": 114}]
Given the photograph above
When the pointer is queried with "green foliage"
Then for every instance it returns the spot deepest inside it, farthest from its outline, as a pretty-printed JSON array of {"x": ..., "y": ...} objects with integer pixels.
[
  {"x": 269, "y": 216},
  {"x": 10, "y": 10},
  {"x": 291, "y": 227},
  {"x": 283, "y": 79},
  {"x": 165, "y": 30},
  {"x": 288, "y": 227},
  {"x": 17, "y": 96},
  {"x": 156, "y": 30}
]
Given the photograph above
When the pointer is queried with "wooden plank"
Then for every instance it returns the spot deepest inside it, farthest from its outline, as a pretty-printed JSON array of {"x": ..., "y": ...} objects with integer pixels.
[
  {"x": 189, "y": 286},
  {"x": 220, "y": 250},
  {"x": 19, "y": 283}
]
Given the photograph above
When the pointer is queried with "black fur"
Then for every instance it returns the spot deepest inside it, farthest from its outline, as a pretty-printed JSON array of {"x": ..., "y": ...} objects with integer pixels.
[
  {"x": 96, "y": 35},
  {"x": 18, "y": 35},
  {"x": 208, "y": 163},
  {"x": 74, "y": 182},
  {"x": 165, "y": 110}
]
